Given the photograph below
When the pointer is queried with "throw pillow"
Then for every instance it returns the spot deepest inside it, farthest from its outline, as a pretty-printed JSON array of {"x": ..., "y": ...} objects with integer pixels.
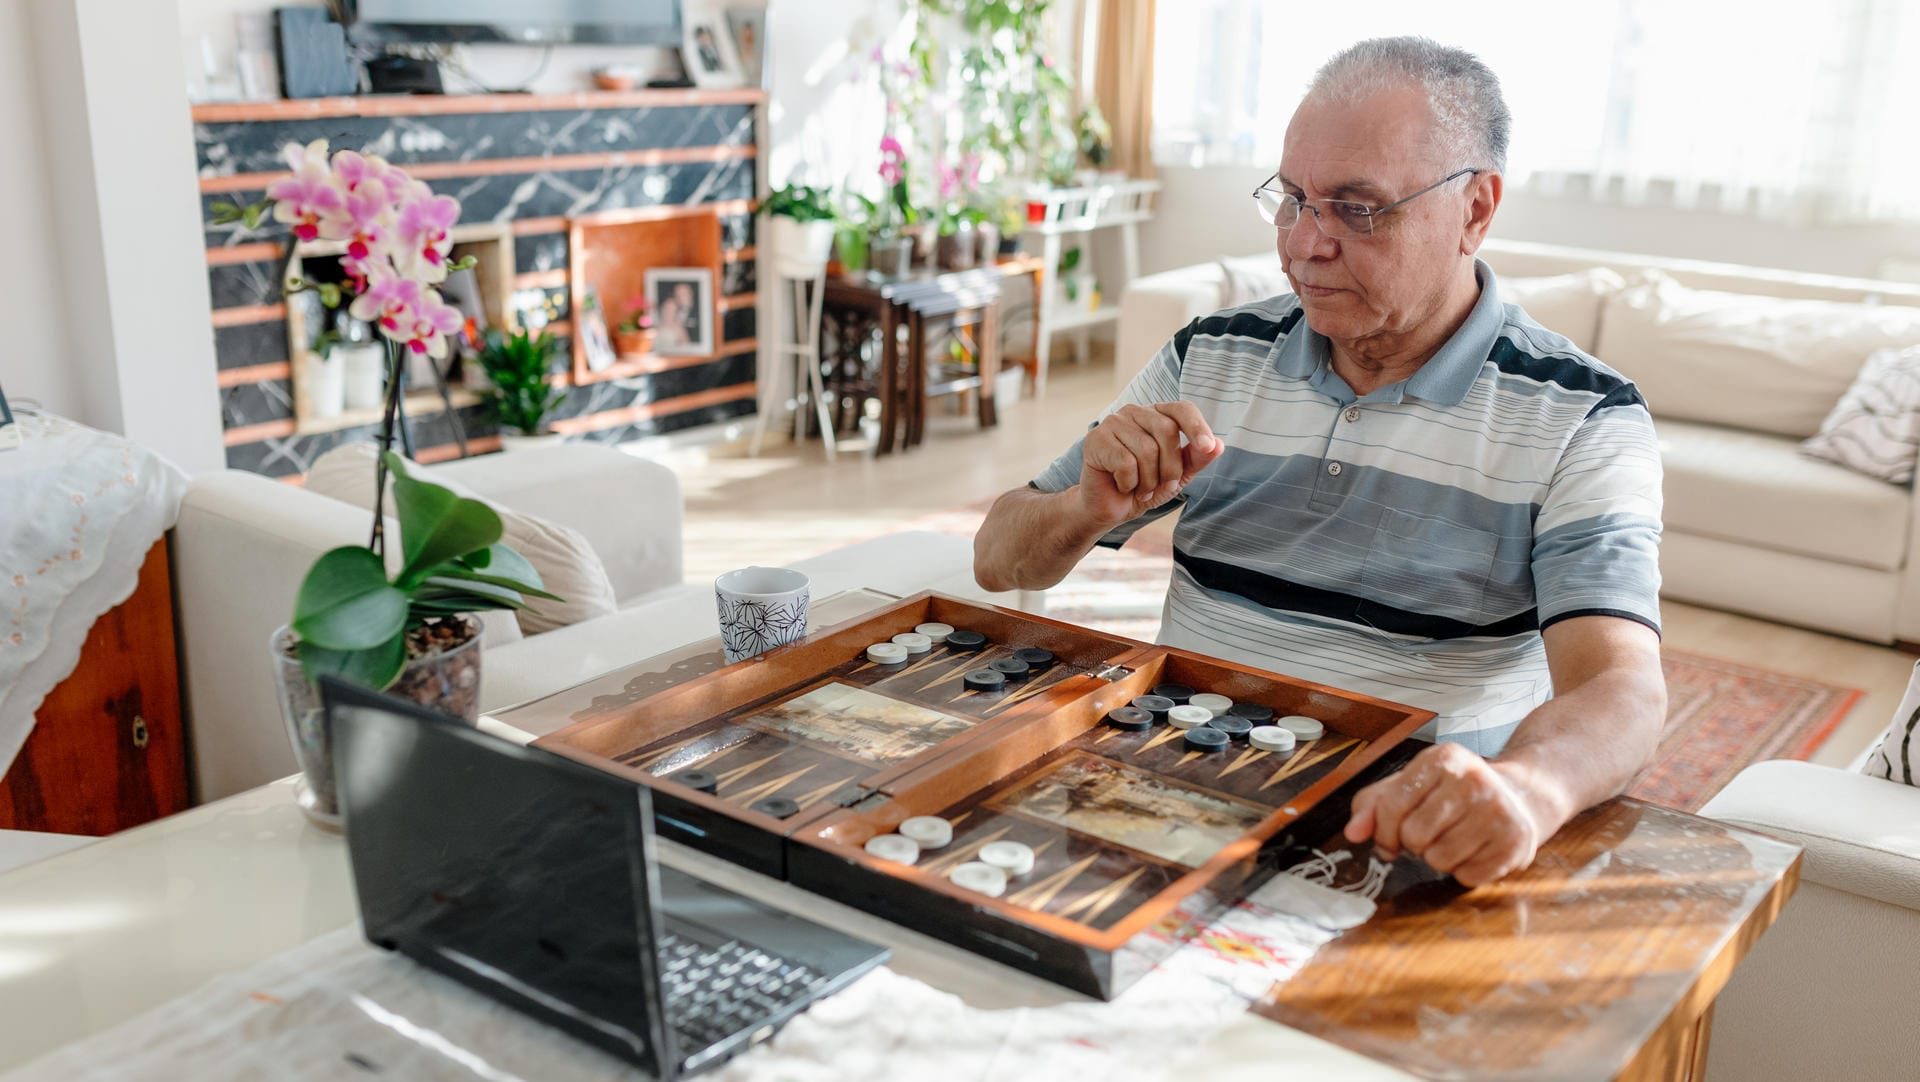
[
  {"x": 1566, "y": 304},
  {"x": 1898, "y": 758},
  {"x": 568, "y": 566},
  {"x": 1875, "y": 428},
  {"x": 1768, "y": 364},
  {"x": 1248, "y": 278}
]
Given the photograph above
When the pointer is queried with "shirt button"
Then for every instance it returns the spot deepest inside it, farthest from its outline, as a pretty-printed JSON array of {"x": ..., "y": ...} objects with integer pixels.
[
  {"x": 1353, "y": 413},
  {"x": 1333, "y": 469}
]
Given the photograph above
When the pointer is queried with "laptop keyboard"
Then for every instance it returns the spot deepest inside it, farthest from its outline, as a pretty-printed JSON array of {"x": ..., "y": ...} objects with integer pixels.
[{"x": 716, "y": 992}]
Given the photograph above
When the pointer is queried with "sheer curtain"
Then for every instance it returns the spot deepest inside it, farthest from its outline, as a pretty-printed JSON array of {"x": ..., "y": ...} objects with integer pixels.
[{"x": 1780, "y": 109}]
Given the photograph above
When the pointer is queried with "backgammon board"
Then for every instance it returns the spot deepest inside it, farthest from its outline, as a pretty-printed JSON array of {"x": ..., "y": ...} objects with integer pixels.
[{"x": 1123, "y": 832}]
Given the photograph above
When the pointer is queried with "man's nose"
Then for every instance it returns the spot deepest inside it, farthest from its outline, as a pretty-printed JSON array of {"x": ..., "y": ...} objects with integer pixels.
[{"x": 1306, "y": 240}]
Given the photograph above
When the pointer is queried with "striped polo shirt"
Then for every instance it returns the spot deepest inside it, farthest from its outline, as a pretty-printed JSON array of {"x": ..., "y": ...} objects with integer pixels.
[{"x": 1410, "y": 543}]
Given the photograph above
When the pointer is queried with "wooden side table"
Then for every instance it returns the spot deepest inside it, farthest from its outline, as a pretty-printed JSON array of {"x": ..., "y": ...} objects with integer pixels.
[{"x": 108, "y": 748}]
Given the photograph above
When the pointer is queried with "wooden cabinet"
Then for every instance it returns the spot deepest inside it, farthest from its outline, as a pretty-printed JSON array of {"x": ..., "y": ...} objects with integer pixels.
[{"x": 108, "y": 749}]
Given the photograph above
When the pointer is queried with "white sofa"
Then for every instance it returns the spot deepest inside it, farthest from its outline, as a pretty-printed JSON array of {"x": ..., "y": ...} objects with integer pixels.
[
  {"x": 243, "y": 543},
  {"x": 1830, "y": 990},
  {"x": 1751, "y": 525}
]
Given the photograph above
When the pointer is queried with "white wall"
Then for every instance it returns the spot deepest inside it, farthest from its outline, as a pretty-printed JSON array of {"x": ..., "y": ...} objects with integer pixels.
[
  {"x": 34, "y": 359},
  {"x": 1206, "y": 213}
]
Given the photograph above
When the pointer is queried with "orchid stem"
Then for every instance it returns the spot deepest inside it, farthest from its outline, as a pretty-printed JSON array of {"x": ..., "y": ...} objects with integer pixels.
[{"x": 392, "y": 408}]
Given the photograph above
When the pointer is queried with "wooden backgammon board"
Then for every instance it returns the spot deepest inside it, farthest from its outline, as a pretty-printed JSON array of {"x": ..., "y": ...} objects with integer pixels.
[{"x": 1125, "y": 829}]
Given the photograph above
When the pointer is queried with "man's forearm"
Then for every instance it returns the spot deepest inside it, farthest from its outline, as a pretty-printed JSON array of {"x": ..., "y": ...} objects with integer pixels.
[
  {"x": 1031, "y": 539},
  {"x": 1589, "y": 744}
]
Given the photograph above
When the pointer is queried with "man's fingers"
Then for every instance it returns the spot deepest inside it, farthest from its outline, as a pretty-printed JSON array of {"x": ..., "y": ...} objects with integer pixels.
[
  {"x": 1145, "y": 452},
  {"x": 1114, "y": 459},
  {"x": 1192, "y": 425},
  {"x": 1360, "y": 824},
  {"x": 1431, "y": 819},
  {"x": 1458, "y": 846},
  {"x": 1193, "y": 460}
]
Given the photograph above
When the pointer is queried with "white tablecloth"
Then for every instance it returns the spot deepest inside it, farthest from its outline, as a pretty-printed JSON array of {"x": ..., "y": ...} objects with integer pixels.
[
  {"x": 338, "y": 1009},
  {"x": 78, "y": 511}
]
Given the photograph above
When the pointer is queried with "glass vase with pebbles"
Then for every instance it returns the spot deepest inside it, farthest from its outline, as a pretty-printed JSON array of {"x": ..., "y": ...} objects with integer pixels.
[
  {"x": 886, "y": 653},
  {"x": 927, "y": 831},
  {"x": 1271, "y": 738},
  {"x": 893, "y": 847},
  {"x": 979, "y": 877},
  {"x": 1216, "y": 704},
  {"x": 914, "y": 642},
  {"x": 1188, "y": 717},
  {"x": 1303, "y": 728}
]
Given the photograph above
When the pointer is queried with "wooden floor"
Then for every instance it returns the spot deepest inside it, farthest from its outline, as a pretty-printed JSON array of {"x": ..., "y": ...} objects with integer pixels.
[{"x": 788, "y": 503}]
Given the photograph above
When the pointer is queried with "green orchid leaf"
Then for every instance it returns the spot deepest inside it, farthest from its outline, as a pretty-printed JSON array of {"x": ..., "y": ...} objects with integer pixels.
[
  {"x": 455, "y": 576},
  {"x": 346, "y": 602},
  {"x": 253, "y": 214},
  {"x": 435, "y": 525},
  {"x": 375, "y": 667},
  {"x": 507, "y": 563},
  {"x": 470, "y": 597}
]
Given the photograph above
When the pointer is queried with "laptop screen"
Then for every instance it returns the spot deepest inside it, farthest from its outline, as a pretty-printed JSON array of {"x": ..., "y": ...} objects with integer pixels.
[{"x": 517, "y": 872}]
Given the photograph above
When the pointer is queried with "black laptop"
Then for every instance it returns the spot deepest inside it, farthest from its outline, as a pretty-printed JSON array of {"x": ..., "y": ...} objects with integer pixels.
[{"x": 531, "y": 878}]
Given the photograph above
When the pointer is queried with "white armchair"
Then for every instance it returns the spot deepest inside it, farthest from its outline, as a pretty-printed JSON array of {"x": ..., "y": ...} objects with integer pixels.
[{"x": 1831, "y": 989}]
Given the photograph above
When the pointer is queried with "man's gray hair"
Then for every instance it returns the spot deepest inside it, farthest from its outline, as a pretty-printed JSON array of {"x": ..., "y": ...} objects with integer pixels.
[{"x": 1471, "y": 121}]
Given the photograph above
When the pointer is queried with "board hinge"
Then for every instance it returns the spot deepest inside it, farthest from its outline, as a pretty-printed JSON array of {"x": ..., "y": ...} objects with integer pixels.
[{"x": 1113, "y": 673}]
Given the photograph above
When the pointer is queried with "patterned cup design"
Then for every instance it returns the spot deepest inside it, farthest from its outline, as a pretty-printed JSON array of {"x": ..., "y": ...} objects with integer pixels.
[{"x": 760, "y": 608}]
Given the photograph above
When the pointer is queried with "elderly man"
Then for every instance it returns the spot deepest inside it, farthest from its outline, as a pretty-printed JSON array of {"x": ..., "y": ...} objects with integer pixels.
[{"x": 1393, "y": 482}]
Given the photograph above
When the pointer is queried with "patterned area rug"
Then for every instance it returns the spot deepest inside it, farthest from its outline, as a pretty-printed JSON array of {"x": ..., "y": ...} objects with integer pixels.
[{"x": 1721, "y": 716}]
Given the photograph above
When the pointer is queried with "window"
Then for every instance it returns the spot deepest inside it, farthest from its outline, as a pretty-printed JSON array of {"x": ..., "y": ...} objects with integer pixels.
[{"x": 1766, "y": 107}]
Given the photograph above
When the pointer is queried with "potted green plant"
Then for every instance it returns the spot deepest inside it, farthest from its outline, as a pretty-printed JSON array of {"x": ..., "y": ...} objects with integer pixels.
[
  {"x": 520, "y": 367},
  {"x": 801, "y": 223},
  {"x": 410, "y": 633}
]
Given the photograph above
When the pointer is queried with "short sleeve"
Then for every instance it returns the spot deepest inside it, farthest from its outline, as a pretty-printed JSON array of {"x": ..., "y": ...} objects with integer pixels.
[
  {"x": 1158, "y": 382},
  {"x": 1596, "y": 548}
]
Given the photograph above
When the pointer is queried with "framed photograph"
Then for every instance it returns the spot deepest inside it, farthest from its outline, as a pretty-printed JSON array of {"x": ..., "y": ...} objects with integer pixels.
[
  {"x": 682, "y": 299},
  {"x": 707, "y": 49},
  {"x": 748, "y": 27},
  {"x": 592, "y": 329}
]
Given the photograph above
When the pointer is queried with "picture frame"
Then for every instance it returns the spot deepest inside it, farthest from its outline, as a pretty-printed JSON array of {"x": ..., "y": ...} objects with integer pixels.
[
  {"x": 594, "y": 337},
  {"x": 707, "y": 49},
  {"x": 747, "y": 27},
  {"x": 683, "y": 315}
]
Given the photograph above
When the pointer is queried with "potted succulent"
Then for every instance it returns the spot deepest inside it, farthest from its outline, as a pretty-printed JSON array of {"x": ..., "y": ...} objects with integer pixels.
[
  {"x": 410, "y": 633},
  {"x": 634, "y": 336},
  {"x": 890, "y": 244},
  {"x": 519, "y": 367},
  {"x": 801, "y": 224}
]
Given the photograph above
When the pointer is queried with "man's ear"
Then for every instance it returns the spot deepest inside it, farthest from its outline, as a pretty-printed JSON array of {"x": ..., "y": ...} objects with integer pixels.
[{"x": 1482, "y": 200}]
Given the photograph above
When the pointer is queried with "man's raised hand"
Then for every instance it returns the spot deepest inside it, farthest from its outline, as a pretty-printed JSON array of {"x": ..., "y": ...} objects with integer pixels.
[{"x": 1135, "y": 460}]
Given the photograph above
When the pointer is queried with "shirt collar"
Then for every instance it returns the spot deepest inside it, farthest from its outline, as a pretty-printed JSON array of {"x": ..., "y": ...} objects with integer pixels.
[{"x": 1443, "y": 381}]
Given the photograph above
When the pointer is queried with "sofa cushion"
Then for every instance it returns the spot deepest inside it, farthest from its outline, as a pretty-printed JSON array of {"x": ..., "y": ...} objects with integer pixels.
[
  {"x": 1762, "y": 363},
  {"x": 1248, "y": 278},
  {"x": 567, "y": 565},
  {"x": 1897, "y": 756},
  {"x": 1566, "y": 304},
  {"x": 1759, "y": 490},
  {"x": 1875, "y": 430}
]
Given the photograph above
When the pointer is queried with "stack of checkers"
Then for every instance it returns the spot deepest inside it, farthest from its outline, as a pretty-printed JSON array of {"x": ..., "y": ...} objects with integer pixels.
[
  {"x": 1025, "y": 662},
  {"x": 1211, "y": 722},
  {"x": 999, "y": 861}
]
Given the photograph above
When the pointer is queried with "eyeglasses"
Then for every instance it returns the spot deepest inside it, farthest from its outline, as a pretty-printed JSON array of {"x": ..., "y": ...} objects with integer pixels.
[{"x": 1338, "y": 218}]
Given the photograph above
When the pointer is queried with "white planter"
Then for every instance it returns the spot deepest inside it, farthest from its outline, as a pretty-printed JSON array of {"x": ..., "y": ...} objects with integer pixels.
[
  {"x": 800, "y": 249},
  {"x": 323, "y": 386},
  {"x": 513, "y": 441},
  {"x": 365, "y": 374}
]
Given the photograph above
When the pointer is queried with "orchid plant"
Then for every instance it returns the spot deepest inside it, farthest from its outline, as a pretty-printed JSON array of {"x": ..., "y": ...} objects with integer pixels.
[{"x": 396, "y": 245}]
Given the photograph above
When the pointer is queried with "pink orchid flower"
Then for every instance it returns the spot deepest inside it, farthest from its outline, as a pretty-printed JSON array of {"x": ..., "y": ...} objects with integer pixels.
[
  {"x": 390, "y": 302},
  {"x": 424, "y": 236},
  {"x": 353, "y": 169},
  {"x": 304, "y": 200},
  {"x": 365, "y": 219},
  {"x": 433, "y": 321}
]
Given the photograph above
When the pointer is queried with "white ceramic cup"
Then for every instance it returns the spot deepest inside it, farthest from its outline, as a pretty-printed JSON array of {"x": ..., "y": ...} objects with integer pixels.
[{"x": 760, "y": 608}]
